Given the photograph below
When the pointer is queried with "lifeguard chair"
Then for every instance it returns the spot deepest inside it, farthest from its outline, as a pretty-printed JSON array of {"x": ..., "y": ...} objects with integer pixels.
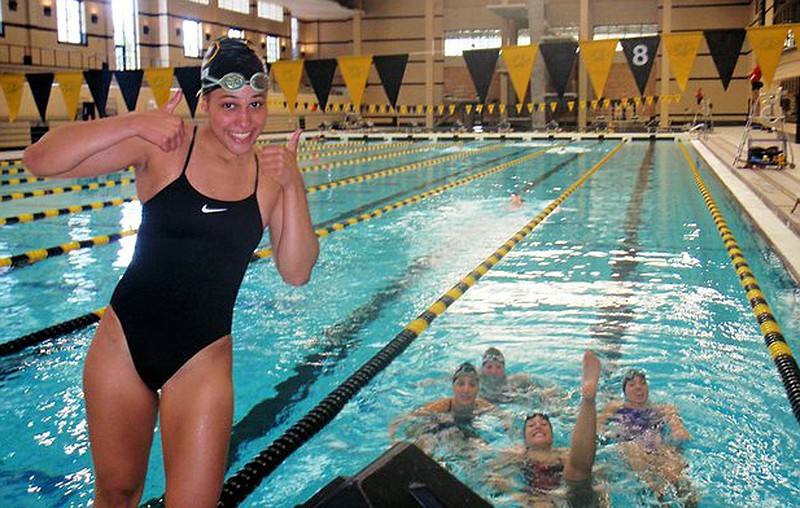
[{"x": 765, "y": 143}]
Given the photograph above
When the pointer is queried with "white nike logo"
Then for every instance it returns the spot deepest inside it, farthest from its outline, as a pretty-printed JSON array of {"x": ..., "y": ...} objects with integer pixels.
[{"x": 206, "y": 209}]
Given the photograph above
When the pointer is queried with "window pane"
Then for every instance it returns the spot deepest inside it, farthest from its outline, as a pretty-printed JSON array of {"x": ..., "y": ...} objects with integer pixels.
[
  {"x": 242, "y": 6},
  {"x": 71, "y": 14},
  {"x": 458, "y": 41},
  {"x": 271, "y": 11},
  {"x": 192, "y": 38}
]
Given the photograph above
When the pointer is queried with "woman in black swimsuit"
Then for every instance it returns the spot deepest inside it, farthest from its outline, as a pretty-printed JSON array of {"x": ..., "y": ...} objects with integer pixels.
[{"x": 163, "y": 346}]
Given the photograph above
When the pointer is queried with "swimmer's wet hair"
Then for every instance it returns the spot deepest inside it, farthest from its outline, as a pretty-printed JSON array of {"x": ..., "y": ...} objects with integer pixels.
[
  {"x": 226, "y": 55},
  {"x": 493, "y": 355},
  {"x": 465, "y": 368}
]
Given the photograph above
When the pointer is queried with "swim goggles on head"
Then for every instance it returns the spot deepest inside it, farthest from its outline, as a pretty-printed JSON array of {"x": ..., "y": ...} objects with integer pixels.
[
  {"x": 233, "y": 82},
  {"x": 464, "y": 368},
  {"x": 632, "y": 373},
  {"x": 493, "y": 355}
]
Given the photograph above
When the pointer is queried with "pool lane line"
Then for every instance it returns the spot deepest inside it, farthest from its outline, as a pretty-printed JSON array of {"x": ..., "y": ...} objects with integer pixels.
[
  {"x": 33, "y": 256},
  {"x": 13, "y": 171},
  {"x": 55, "y": 212},
  {"x": 247, "y": 479},
  {"x": 370, "y": 158},
  {"x": 73, "y": 324},
  {"x": 63, "y": 190},
  {"x": 36, "y": 255},
  {"x": 19, "y": 181},
  {"x": 323, "y": 232},
  {"x": 773, "y": 337},
  {"x": 347, "y": 151},
  {"x": 380, "y": 173}
]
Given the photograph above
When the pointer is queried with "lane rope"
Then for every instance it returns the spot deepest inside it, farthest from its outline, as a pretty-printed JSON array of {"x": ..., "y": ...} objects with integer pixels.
[
  {"x": 245, "y": 481},
  {"x": 370, "y": 158},
  {"x": 55, "y": 212},
  {"x": 63, "y": 190},
  {"x": 776, "y": 344},
  {"x": 70, "y": 325},
  {"x": 346, "y": 151}
]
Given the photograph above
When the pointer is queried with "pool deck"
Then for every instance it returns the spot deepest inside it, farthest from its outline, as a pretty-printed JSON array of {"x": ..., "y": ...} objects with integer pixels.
[{"x": 771, "y": 197}]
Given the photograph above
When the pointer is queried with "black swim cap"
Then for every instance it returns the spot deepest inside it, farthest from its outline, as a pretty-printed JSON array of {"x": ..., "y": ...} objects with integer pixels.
[
  {"x": 465, "y": 368},
  {"x": 226, "y": 55}
]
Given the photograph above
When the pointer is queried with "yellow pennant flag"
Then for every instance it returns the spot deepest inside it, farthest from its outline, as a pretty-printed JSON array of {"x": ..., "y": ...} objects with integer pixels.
[
  {"x": 606, "y": 103},
  {"x": 767, "y": 43},
  {"x": 13, "y": 86},
  {"x": 372, "y": 108},
  {"x": 70, "y": 84},
  {"x": 530, "y": 107},
  {"x": 403, "y": 109},
  {"x": 637, "y": 101},
  {"x": 288, "y": 73},
  {"x": 452, "y": 108},
  {"x": 490, "y": 108},
  {"x": 519, "y": 107},
  {"x": 519, "y": 61},
  {"x": 355, "y": 70},
  {"x": 468, "y": 108},
  {"x": 648, "y": 100},
  {"x": 598, "y": 57},
  {"x": 571, "y": 105},
  {"x": 595, "y": 102},
  {"x": 582, "y": 104},
  {"x": 160, "y": 81},
  {"x": 682, "y": 50},
  {"x": 553, "y": 106},
  {"x": 440, "y": 109},
  {"x": 479, "y": 108},
  {"x": 541, "y": 106},
  {"x": 502, "y": 108}
]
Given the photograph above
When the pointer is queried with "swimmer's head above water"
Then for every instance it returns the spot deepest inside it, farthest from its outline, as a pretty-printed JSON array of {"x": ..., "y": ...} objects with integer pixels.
[
  {"x": 634, "y": 386},
  {"x": 537, "y": 430},
  {"x": 493, "y": 363}
]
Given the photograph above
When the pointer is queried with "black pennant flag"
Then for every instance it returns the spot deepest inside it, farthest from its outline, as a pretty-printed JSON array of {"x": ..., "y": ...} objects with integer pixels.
[
  {"x": 130, "y": 83},
  {"x": 725, "y": 46},
  {"x": 481, "y": 63},
  {"x": 99, "y": 81},
  {"x": 559, "y": 57},
  {"x": 391, "y": 69},
  {"x": 189, "y": 81},
  {"x": 641, "y": 54},
  {"x": 41, "y": 84},
  {"x": 320, "y": 73}
]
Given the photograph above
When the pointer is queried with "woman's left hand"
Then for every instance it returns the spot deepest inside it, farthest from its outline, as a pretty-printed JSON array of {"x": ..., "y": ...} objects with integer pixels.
[{"x": 280, "y": 162}]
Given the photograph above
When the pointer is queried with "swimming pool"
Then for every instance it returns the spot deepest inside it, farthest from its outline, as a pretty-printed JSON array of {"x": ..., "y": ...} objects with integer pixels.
[{"x": 630, "y": 265}]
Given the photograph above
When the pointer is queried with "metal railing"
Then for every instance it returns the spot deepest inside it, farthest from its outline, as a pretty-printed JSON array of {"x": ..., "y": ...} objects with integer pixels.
[{"x": 18, "y": 54}]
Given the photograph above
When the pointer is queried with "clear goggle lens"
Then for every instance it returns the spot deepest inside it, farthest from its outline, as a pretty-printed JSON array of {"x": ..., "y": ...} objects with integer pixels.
[{"x": 233, "y": 82}]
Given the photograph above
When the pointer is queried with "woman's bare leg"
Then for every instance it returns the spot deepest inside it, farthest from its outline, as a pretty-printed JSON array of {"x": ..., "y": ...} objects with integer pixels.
[
  {"x": 121, "y": 412},
  {"x": 196, "y": 418}
]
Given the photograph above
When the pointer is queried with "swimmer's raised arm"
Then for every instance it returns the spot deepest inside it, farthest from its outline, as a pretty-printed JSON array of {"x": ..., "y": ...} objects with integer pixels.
[{"x": 83, "y": 149}]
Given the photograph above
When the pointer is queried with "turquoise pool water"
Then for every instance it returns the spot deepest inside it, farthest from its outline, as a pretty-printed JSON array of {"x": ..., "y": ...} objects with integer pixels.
[{"x": 631, "y": 266}]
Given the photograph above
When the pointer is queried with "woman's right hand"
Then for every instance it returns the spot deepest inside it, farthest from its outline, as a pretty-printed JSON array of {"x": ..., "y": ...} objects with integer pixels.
[{"x": 162, "y": 128}]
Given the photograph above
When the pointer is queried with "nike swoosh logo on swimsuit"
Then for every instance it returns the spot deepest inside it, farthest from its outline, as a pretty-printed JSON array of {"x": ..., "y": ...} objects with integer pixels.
[{"x": 206, "y": 209}]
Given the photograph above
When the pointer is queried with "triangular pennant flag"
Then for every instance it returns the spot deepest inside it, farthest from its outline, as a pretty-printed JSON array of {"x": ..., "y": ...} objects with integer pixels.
[
  {"x": 355, "y": 70},
  {"x": 542, "y": 106},
  {"x": 641, "y": 54},
  {"x": 189, "y": 81},
  {"x": 13, "y": 86},
  {"x": 502, "y": 108},
  {"x": 479, "y": 108},
  {"x": 648, "y": 100},
  {"x": 606, "y": 103},
  {"x": 637, "y": 101},
  {"x": 468, "y": 108},
  {"x": 320, "y": 73},
  {"x": 553, "y": 106},
  {"x": 582, "y": 104},
  {"x": 41, "y": 84},
  {"x": 288, "y": 73},
  {"x": 519, "y": 107},
  {"x": 160, "y": 81},
  {"x": 595, "y": 103},
  {"x": 70, "y": 84},
  {"x": 452, "y": 108},
  {"x": 490, "y": 108},
  {"x": 99, "y": 80},
  {"x": 130, "y": 82},
  {"x": 681, "y": 50},
  {"x": 725, "y": 47},
  {"x": 391, "y": 69},
  {"x": 440, "y": 109},
  {"x": 571, "y": 105},
  {"x": 559, "y": 57},
  {"x": 519, "y": 62},
  {"x": 598, "y": 57},
  {"x": 767, "y": 42},
  {"x": 530, "y": 107},
  {"x": 481, "y": 64},
  {"x": 403, "y": 109}
]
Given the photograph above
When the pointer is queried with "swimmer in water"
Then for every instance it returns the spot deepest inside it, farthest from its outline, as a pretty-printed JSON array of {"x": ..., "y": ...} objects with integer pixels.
[{"x": 646, "y": 434}]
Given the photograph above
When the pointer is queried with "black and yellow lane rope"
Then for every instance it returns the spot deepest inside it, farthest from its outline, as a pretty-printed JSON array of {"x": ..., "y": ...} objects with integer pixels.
[
  {"x": 77, "y": 323},
  {"x": 33, "y": 256},
  {"x": 10, "y": 163},
  {"x": 371, "y": 158},
  {"x": 64, "y": 190},
  {"x": 779, "y": 350},
  {"x": 55, "y": 212},
  {"x": 373, "y": 147},
  {"x": 399, "y": 169},
  {"x": 245, "y": 481},
  {"x": 19, "y": 181},
  {"x": 13, "y": 171}
]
